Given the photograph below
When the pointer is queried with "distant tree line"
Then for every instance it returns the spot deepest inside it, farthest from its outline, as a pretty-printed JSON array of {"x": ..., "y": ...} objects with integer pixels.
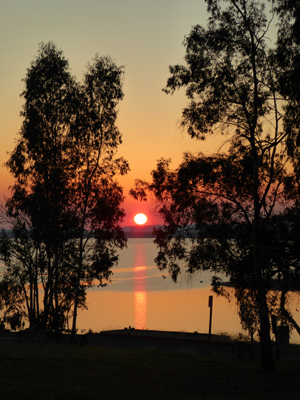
[{"x": 240, "y": 86}]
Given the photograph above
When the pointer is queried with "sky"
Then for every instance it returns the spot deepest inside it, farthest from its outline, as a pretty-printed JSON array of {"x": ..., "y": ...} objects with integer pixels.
[{"x": 144, "y": 36}]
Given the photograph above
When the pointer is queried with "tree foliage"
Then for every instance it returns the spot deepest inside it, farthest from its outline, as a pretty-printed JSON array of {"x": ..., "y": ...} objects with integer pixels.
[
  {"x": 65, "y": 207},
  {"x": 226, "y": 201}
]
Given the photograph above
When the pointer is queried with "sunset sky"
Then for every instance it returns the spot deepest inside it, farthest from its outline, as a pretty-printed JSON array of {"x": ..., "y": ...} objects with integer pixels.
[{"x": 145, "y": 36}]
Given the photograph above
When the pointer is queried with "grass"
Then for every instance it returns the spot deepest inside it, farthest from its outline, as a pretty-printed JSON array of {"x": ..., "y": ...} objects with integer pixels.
[{"x": 53, "y": 372}]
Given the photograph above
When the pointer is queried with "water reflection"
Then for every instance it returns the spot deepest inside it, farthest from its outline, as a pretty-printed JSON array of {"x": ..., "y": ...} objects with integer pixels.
[
  {"x": 140, "y": 297},
  {"x": 140, "y": 289},
  {"x": 140, "y": 310}
]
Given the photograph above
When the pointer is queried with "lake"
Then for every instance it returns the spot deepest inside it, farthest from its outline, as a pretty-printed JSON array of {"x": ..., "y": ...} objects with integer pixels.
[{"x": 140, "y": 297}]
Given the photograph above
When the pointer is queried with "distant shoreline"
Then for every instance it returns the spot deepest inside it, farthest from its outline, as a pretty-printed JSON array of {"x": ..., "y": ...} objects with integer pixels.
[
  {"x": 140, "y": 232},
  {"x": 139, "y": 235},
  {"x": 131, "y": 232}
]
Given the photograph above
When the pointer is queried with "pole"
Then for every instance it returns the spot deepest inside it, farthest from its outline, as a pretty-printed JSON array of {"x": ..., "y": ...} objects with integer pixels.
[{"x": 210, "y": 305}]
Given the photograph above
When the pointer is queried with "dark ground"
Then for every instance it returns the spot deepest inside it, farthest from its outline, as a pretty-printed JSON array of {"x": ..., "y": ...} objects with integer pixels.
[
  {"x": 33, "y": 367},
  {"x": 180, "y": 342}
]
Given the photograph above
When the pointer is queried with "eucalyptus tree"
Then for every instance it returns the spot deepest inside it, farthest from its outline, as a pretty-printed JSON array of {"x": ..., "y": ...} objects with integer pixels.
[
  {"x": 40, "y": 168},
  {"x": 231, "y": 81},
  {"x": 18, "y": 286},
  {"x": 287, "y": 55},
  {"x": 96, "y": 196},
  {"x": 65, "y": 193},
  {"x": 288, "y": 58}
]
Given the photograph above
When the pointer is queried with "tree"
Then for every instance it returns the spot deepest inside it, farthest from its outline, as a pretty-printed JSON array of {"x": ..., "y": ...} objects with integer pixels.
[
  {"x": 231, "y": 81},
  {"x": 16, "y": 301},
  {"x": 66, "y": 202},
  {"x": 96, "y": 197},
  {"x": 40, "y": 168},
  {"x": 26, "y": 276},
  {"x": 288, "y": 58}
]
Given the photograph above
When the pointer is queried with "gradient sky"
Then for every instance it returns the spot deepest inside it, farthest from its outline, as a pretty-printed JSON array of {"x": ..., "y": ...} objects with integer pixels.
[{"x": 145, "y": 36}]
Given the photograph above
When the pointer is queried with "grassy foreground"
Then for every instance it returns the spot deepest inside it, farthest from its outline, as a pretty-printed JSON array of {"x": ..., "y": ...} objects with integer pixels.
[{"x": 53, "y": 372}]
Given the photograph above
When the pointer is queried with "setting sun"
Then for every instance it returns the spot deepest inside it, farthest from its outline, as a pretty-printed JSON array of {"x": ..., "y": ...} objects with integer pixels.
[{"x": 140, "y": 219}]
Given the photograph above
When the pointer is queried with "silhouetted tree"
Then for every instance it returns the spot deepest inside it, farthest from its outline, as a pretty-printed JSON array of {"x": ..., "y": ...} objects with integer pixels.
[
  {"x": 65, "y": 203},
  {"x": 17, "y": 299},
  {"x": 231, "y": 81},
  {"x": 25, "y": 279},
  {"x": 288, "y": 59},
  {"x": 40, "y": 167},
  {"x": 96, "y": 196}
]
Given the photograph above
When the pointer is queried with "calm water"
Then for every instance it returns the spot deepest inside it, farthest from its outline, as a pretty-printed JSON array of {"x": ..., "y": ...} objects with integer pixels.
[{"x": 141, "y": 298}]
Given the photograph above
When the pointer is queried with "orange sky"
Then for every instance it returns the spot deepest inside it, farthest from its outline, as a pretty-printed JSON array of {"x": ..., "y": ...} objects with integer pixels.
[{"x": 145, "y": 36}]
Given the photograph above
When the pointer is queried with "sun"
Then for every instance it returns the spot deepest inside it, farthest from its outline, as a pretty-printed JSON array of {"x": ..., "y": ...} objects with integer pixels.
[{"x": 140, "y": 219}]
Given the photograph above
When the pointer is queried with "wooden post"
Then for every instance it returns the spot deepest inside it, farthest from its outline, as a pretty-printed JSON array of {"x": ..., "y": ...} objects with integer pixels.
[{"x": 210, "y": 305}]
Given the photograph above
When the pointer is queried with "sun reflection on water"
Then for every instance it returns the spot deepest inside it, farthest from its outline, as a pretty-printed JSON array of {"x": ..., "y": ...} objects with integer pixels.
[
  {"x": 139, "y": 297},
  {"x": 140, "y": 309},
  {"x": 140, "y": 289}
]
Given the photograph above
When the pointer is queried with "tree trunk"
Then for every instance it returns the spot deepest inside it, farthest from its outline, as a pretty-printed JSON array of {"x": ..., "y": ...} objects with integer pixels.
[
  {"x": 47, "y": 295},
  {"x": 77, "y": 286},
  {"x": 285, "y": 312},
  {"x": 265, "y": 339},
  {"x": 36, "y": 291},
  {"x": 56, "y": 302}
]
